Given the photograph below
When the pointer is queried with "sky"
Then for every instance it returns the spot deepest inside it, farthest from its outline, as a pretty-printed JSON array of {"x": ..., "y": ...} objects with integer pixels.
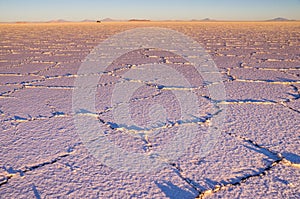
[{"x": 77, "y": 10}]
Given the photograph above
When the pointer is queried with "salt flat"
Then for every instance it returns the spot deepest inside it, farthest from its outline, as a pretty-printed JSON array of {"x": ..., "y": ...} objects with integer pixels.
[{"x": 256, "y": 154}]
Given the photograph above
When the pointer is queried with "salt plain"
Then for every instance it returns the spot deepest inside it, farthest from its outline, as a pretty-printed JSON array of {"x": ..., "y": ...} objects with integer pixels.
[{"x": 257, "y": 154}]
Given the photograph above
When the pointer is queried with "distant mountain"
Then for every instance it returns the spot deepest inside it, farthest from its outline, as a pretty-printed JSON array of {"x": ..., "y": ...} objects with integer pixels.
[
  {"x": 141, "y": 20},
  {"x": 88, "y": 20},
  {"x": 280, "y": 19},
  {"x": 205, "y": 19},
  {"x": 108, "y": 19},
  {"x": 58, "y": 21}
]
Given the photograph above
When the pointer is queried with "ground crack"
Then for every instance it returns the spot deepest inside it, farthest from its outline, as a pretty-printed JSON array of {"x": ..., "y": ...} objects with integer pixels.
[
  {"x": 178, "y": 171},
  {"x": 10, "y": 172},
  {"x": 277, "y": 159},
  {"x": 137, "y": 130}
]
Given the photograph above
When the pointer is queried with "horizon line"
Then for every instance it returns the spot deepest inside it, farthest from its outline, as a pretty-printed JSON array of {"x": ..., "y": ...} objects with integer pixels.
[{"x": 277, "y": 19}]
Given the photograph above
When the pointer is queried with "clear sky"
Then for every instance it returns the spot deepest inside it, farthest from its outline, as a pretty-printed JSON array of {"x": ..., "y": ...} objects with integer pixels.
[{"x": 77, "y": 10}]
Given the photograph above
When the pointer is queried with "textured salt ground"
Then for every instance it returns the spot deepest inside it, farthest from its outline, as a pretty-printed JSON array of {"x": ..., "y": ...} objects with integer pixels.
[
  {"x": 280, "y": 182},
  {"x": 42, "y": 156},
  {"x": 282, "y": 138},
  {"x": 266, "y": 75},
  {"x": 82, "y": 176},
  {"x": 37, "y": 102}
]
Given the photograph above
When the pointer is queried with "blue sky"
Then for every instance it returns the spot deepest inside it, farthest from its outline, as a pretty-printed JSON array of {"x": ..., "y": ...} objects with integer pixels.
[{"x": 76, "y": 10}]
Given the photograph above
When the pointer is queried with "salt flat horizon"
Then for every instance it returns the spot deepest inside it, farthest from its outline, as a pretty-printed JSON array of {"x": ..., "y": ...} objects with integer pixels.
[{"x": 276, "y": 19}]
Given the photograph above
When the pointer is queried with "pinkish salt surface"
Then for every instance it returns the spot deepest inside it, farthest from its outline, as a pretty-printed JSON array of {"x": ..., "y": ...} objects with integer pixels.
[{"x": 257, "y": 154}]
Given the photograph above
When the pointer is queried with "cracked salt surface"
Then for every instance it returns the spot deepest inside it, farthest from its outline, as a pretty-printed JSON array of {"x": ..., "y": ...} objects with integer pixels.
[{"x": 257, "y": 153}]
